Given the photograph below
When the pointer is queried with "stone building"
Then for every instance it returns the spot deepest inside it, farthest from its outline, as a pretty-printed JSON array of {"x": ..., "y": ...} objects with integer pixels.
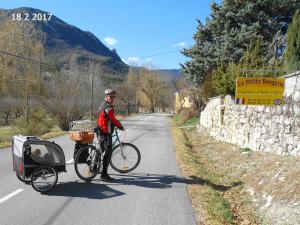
[{"x": 183, "y": 100}]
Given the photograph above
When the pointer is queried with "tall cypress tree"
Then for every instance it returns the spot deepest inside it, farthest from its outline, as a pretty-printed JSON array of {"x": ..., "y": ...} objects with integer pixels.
[{"x": 293, "y": 44}]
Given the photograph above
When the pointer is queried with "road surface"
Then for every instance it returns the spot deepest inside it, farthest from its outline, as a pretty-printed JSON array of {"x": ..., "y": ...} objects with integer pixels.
[{"x": 153, "y": 194}]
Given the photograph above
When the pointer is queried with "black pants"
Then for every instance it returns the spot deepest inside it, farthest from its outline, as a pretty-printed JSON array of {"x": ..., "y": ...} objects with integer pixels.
[{"x": 106, "y": 145}]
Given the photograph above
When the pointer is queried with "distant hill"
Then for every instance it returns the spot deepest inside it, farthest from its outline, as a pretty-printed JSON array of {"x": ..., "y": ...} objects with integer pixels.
[
  {"x": 168, "y": 72},
  {"x": 68, "y": 45},
  {"x": 174, "y": 73}
]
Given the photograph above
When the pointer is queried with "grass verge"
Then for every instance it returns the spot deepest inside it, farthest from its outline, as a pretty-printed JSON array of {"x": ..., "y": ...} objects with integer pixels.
[
  {"x": 214, "y": 195},
  {"x": 6, "y": 133}
]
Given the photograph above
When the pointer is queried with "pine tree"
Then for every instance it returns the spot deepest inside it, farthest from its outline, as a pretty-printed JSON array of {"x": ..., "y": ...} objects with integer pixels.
[
  {"x": 230, "y": 29},
  {"x": 293, "y": 44},
  {"x": 252, "y": 64}
]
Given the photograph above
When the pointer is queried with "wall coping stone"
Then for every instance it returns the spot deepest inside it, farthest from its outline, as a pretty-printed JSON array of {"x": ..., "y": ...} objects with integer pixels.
[{"x": 297, "y": 73}]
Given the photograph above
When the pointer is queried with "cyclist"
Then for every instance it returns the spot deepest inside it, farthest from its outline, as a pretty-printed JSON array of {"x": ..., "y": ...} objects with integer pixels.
[{"x": 106, "y": 123}]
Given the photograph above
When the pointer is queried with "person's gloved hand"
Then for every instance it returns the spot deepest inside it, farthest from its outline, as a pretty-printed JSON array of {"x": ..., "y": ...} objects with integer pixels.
[{"x": 122, "y": 128}]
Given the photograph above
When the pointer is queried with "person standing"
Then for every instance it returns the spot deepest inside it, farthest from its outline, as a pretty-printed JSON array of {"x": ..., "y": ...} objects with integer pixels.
[{"x": 107, "y": 122}]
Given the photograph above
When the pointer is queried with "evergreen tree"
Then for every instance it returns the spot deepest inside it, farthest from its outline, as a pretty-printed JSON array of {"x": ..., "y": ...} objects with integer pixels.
[
  {"x": 230, "y": 29},
  {"x": 293, "y": 44},
  {"x": 252, "y": 64}
]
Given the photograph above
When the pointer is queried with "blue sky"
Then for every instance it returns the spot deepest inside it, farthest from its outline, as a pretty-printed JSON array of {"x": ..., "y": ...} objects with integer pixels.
[{"x": 142, "y": 31}]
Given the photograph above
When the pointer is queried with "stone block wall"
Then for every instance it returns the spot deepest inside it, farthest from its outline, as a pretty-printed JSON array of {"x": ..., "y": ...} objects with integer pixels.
[{"x": 274, "y": 129}]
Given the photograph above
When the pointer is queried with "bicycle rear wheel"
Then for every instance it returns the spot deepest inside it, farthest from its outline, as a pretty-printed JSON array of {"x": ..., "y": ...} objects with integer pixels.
[
  {"x": 87, "y": 163},
  {"x": 44, "y": 179},
  {"x": 125, "y": 157}
]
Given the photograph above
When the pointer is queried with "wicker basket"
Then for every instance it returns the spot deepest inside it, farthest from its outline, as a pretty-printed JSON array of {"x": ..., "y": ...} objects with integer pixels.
[{"x": 84, "y": 137}]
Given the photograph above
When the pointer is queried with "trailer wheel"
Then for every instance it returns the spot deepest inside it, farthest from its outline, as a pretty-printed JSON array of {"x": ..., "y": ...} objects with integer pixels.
[
  {"x": 44, "y": 179},
  {"x": 26, "y": 180}
]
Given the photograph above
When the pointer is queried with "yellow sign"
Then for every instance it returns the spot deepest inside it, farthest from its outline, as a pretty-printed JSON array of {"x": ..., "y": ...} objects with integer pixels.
[{"x": 259, "y": 91}]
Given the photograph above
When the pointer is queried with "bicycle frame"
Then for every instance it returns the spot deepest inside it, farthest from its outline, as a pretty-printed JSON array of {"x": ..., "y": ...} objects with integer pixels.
[{"x": 117, "y": 140}]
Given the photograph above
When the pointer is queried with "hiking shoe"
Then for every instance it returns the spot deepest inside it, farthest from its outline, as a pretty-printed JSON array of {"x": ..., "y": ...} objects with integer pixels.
[{"x": 106, "y": 177}]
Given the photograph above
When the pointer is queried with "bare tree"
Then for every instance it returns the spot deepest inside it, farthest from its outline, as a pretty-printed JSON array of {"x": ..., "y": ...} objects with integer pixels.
[
  {"x": 67, "y": 98},
  {"x": 126, "y": 96},
  {"x": 24, "y": 40},
  {"x": 5, "y": 109},
  {"x": 151, "y": 87},
  {"x": 133, "y": 82},
  {"x": 18, "y": 77}
]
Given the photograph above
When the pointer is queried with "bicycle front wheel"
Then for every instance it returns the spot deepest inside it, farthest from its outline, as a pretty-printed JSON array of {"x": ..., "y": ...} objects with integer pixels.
[
  {"x": 125, "y": 157},
  {"x": 87, "y": 163}
]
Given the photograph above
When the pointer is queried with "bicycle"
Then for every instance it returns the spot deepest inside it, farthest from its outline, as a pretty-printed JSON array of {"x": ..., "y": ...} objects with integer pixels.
[{"x": 88, "y": 160}]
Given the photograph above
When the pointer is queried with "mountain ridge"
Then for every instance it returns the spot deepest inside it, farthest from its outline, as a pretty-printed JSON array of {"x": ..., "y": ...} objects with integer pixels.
[{"x": 68, "y": 44}]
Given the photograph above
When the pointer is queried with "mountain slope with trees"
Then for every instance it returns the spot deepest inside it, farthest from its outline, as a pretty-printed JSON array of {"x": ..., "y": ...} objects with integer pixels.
[
  {"x": 54, "y": 65},
  {"x": 66, "y": 45}
]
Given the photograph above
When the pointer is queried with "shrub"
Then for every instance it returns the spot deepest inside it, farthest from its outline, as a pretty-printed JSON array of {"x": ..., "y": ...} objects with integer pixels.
[
  {"x": 37, "y": 124},
  {"x": 186, "y": 114},
  {"x": 293, "y": 44}
]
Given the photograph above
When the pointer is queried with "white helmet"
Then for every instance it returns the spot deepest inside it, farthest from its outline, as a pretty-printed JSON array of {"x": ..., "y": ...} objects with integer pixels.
[{"x": 110, "y": 92}]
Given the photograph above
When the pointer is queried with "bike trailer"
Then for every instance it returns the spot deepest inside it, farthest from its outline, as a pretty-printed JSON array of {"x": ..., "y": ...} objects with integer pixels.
[{"x": 30, "y": 152}]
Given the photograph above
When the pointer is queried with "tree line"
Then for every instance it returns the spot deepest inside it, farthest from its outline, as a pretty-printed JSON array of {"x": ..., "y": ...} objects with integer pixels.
[
  {"x": 243, "y": 38},
  {"x": 32, "y": 93}
]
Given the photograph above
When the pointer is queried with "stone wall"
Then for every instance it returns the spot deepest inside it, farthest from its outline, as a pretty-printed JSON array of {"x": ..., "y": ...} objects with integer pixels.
[{"x": 274, "y": 129}]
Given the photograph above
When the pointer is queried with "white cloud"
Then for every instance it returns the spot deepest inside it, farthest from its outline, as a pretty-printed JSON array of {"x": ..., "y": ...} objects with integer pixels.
[
  {"x": 132, "y": 60},
  {"x": 180, "y": 44},
  {"x": 137, "y": 61},
  {"x": 110, "y": 41}
]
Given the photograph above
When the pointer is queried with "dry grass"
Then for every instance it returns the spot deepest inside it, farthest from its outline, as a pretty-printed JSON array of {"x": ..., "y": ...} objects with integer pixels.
[
  {"x": 218, "y": 196},
  {"x": 189, "y": 170},
  {"x": 205, "y": 191},
  {"x": 5, "y": 135},
  {"x": 7, "y": 132},
  {"x": 241, "y": 180}
]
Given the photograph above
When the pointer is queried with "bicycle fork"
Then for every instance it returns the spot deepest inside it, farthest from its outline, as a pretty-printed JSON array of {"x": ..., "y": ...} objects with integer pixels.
[{"x": 96, "y": 162}]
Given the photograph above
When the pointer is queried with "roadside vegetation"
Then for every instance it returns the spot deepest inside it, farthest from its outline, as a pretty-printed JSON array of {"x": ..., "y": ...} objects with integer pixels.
[
  {"x": 235, "y": 42},
  {"x": 7, "y": 132},
  {"x": 233, "y": 185},
  {"x": 210, "y": 190}
]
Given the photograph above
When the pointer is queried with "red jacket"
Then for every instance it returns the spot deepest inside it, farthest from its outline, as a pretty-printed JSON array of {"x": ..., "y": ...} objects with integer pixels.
[{"x": 107, "y": 119}]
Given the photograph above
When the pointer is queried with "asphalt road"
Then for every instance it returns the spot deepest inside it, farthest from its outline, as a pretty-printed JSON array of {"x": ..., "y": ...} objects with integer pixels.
[{"x": 154, "y": 193}]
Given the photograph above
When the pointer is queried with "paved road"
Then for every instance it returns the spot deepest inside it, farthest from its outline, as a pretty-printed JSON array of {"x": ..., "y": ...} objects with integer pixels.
[{"x": 155, "y": 193}]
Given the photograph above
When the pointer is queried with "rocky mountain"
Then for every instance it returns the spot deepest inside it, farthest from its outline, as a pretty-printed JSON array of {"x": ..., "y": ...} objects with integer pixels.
[{"x": 68, "y": 45}]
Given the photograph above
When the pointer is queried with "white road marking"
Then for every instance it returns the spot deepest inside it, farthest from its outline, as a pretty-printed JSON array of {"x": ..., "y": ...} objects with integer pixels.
[
  {"x": 70, "y": 161},
  {"x": 11, "y": 195}
]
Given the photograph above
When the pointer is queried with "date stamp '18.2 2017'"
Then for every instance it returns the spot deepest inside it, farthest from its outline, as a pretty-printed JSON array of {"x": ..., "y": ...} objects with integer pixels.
[{"x": 31, "y": 16}]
